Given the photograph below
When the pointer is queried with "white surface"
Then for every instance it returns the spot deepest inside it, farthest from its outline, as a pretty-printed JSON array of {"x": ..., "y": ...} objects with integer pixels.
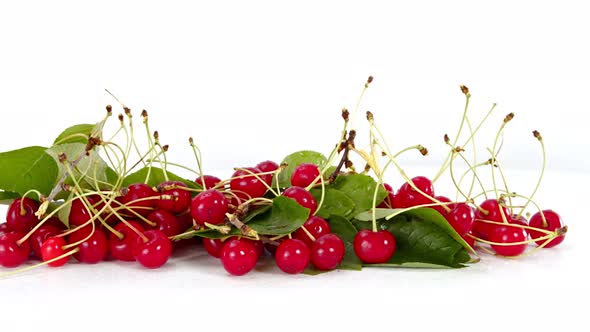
[{"x": 256, "y": 80}]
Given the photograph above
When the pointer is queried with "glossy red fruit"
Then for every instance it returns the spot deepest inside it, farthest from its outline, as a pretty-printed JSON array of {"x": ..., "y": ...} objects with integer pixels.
[
  {"x": 122, "y": 249},
  {"x": 210, "y": 181},
  {"x": 213, "y": 246},
  {"x": 303, "y": 197},
  {"x": 316, "y": 226},
  {"x": 553, "y": 222},
  {"x": 409, "y": 197},
  {"x": 492, "y": 213},
  {"x": 4, "y": 228},
  {"x": 515, "y": 219},
  {"x": 238, "y": 257},
  {"x": 388, "y": 202},
  {"x": 79, "y": 214},
  {"x": 209, "y": 206},
  {"x": 440, "y": 209},
  {"x": 245, "y": 185},
  {"x": 12, "y": 254},
  {"x": 53, "y": 248},
  {"x": 165, "y": 222},
  {"x": 508, "y": 234},
  {"x": 461, "y": 218},
  {"x": 138, "y": 199},
  {"x": 181, "y": 198},
  {"x": 305, "y": 174},
  {"x": 374, "y": 247},
  {"x": 40, "y": 235},
  {"x": 155, "y": 252},
  {"x": 268, "y": 166},
  {"x": 93, "y": 249},
  {"x": 185, "y": 221},
  {"x": 257, "y": 244},
  {"x": 55, "y": 222},
  {"x": 292, "y": 256},
  {"x": 327, "y": 252},
  {"x": 21, "y": 216},
  {"x": 470, "y": 241}
]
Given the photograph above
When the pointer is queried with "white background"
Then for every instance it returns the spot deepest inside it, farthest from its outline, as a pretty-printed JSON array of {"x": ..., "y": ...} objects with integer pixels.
[{"x": 256, "y": 80}]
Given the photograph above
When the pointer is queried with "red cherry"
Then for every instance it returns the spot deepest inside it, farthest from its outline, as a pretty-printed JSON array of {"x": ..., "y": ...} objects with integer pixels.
[
  {"x": 55, "y": 222},
  {"x": 213, "y": 246},
  {"x": 316, "y": 226},
  {"x": 409, "y": 197},
  {"x": 4, "y": 228},
  {"x": 53, "y": 248},
  {"x": 508, "y": 234},
  {"x": 21, "y": 216},
  {"x": 165, "y": 222},
  {"x": 553, "y": 222},
  {"x": 185, "y": 221},
  {"x": 138, "y": 199},
  {"x": 292, "y": 256},
  {"x": 265, "y": 167},
  {"x": 155, "y": 252},
  {"x": 257, "y": 244},
  {"x": 12, "y": 254},
  {"x": 515, "y": 219},
  {"x": 461, "y": 218},
  {"x": 40, "y": 235},
  {"x": 210, "y": 181},
  {"x": 303, "y": 197},
  {"x": 122, "y": 249},
  {"x": 92, "y": 250},
  {"x": 305, "y": 174},
  {"x": 209, "y": 206},
  {"x": 245, "y": 185},
  {"x": 470, "y": 241},
  {"x": 238, "y": 257},
  {"x": 388, "y": 201},
  {"x": 440, "y": 209},
  {"x": 327, "y": 252},
  {"x": 79, "y": 214},
  {"x": 492, "y": 213},
  {"x": 374, "y": 247},
  {"x": 180, "y": 198}
]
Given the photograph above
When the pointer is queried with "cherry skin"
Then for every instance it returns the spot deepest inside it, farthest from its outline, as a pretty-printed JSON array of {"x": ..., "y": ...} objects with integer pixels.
[
  {"x": 461, "y": 218},
  {"x": 303, "y": 197},
  {"x": 181, "y": 198},
  {"x": 209, "y": 206},
  {"x": 440, "y": 209},
  {"x": 268, "y": 166},
  {"x": 508, "y": 234},
  {"x": 53, "y": 248},
  {"x": 327, "y": 252},
  {"x": 374, "y": 247},
  {"x": 165, "y": 222},
  {"x": 12, "y": 254},
  {"x": 238, "y": 257},
  {"x": 257, "y": 244},
  {"x": 245, "y": 185},
  {"x": 155, "y": 252},
  {"x": 482, "y": 229},
  {"x": 292, "y": 256},
  {"x": 409, "y": 197},
  {"x": 305, "y": 174},
  {"x": 122, "y": 249},
  {"x": 553, "y": 222},
  {"x": 388, "y": 201},
  {"x": 40, "y": 235},
  {"x": 4, "y": 228},
  {"x": 213, "y": 246},
  {"x": 210, "y": 181},
  {"x": 92, "y": 250},
  {"x": 79, "y": 214},
  {"x": 470, "y": 241},
  {"x": 22, "y": 219},
  {"x": 185, "y": 221},
  {"x": 139, "y": 191},
  {"x": 514, "y": 219},
  {"x": 316, "y": 226}
]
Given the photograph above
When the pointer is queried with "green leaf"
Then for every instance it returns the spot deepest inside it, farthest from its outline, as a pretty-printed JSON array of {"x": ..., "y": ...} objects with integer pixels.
[
  {"x": 256, "y": 212},
  {"x": 360, "y": 189},
  {"x": 27, "y": 168},
  {"x": 335, "y": 203},
  {"x": 6, "y": 197},
  {"x": 346, "y": 231},
  {"x": 84, "y": 129},
  {"x": 295, "y": 159},
  {"x": 284, "y": 217},
  {"x": 91, "y": 165},
  {"x": 156, "y": 177}
]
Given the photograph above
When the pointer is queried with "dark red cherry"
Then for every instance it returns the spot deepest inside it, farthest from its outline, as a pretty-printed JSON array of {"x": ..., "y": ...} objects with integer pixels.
[
  {"x": 440, "y": 209},
  {"x": 40, "y": 235},
  {"x": 374, "y": 247},
  {"x": 165, "y": 222},
  {"x": 93, "y": 249},
  {"x": 210, "y": 181},
  {"x": 388, "y": 202},
  {"x": 12, "y": 254},
  {"x": 140, "y": 198},
  {"x": 4, "y": 228},
  {"x": 175, "y": 199},
  {"x": 209, "y": 207},
  {"x": 213, "y": 246},
  {"x": 316, "y": 226},
  {"x": 303, "y": 197},
  {"x": 122, "y": 249},
  {"x": 80, "y": 213},
  {"x": 21, "y": 216},
  {"x": 245, "y": 185}
]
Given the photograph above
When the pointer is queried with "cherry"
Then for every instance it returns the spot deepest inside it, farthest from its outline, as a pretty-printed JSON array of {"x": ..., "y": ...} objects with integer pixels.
[
  {"x": 388, "y": 201},
  {"x": 40, "y": 235},
  {"x": 181, "y": 198},
  {"x": 409, "y": 197},
  {"x": 165, "y": 222},
  {"x": 79, "y": 214},
  {"x": 4, "y": 228},
  {"x": 257, "y": 244},
  {"x": 303, "y": 197},
  {"x": 122, "y": 249},
  {"x": 440, "y": 209},
  {"x": 210, "y": 181},
  {"x": 508, "y": 234},
  {"x": 21, "y": 214},
  {"x": 292, "y": 256},
  {"x": 374, "y": 247},
  {"x": 553, "y": 222},
  {"x": 470, "y": 241},
  {"x": 52, "y": 248},
  {"x": 515, "y": 219},
  {"x": 209, "y": 206},
  {"x": 55, "y": 222},
  {"x": 246, "y": 185},
  {"x": 267, "y": 166},
  {"x": 12, "y": 254},
  {"x": 213, "y": 246},
  {"x": 185, "y": 221},
  {"x": 492, "y": 212},
  {"x": 155, "y": 252},
  {"x": 142, "y": 192},
  {"x": 305, "y": 174},
  {"x": 327, "y": 252},
  {"x": 92, "y": 250},
  {"x": 238, "y": 257},
  {"x": 461, "y": 218},
  {"x": 316, "y": 226}
]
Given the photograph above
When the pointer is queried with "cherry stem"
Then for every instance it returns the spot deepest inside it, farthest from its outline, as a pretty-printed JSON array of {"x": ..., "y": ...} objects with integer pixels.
[
  {"x": 540, "y": 139},
  {"x": 197, "y": 153},
  {"x": 69, "y": 253},
  {"x": 245, "y": 229},
  {"x": 180, "y": 236},
  {"x": 308, "y": 233},
  {"x": 358, "y": 102},
  {"x": 224, "y": 229},
  {"x": 257, "y": 176},
  {"x": 400, "y": 211},
  {"x": 23, "y": 211},
  {"x": 472, "y": 169}
]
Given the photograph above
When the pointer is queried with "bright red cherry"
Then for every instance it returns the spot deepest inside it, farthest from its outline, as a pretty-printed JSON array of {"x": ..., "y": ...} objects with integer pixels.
[
  {"x": 305, "y": 174},
  {"x": 21, "y": 216},
  {"x": 508, "y": 234},
  {"x": 213, "y": 246},
  {"x": 245, "y": 185},
  {"x": 374, "y": 247},
  {"x": 4, "y": 228},
  {"x": 12, "y": 254},
  {"x": 316, "y": 226},
  {"x": 79, "y": 214},
  {"x": 267, "y": 166},
  {"x": 303, "y": 197},
  {"x": 210, "y": 181},
  {"x": 140, "y": 198},
  {"x": 155, "y": 252},
  {"x": 327, "y": 252},
  {"x": 292, "y": 256},
  {"x": 238, "y": 257},
  {"x": 93, "y": 249},
  {"x": 515, "y": 219},
  {"x": 409, "y": 197},
  {"x": 180, "y": 198},
  {"x": 122, "y": 249},
  {"x": 209, "y": 206},
  {"x": 165, "y": 222},
  {"x": 470, "y": 241},
  {"x": 492, "y": 213},
  {"x": 440, "y": 209},
  {"x": 52, "y": 248},
  {"x": 462, "y": 218},
  {"x": 257, "y": 244},
  {"x": 40, "y": 235},
  {"x": 553, "y": 222}
]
